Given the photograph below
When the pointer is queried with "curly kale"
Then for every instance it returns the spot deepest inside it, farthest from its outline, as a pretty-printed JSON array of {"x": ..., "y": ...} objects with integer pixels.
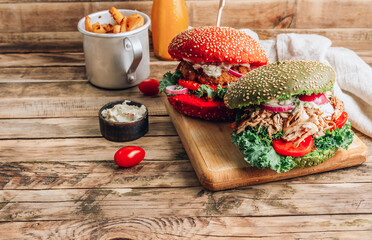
[
  {"x": 258, "y": 151},
  {"x": 207, "y": 91},
  {"x": 339, "y": 137},
  {"x": 203, "y": 90},
  {"x": 169, "y": 79}
]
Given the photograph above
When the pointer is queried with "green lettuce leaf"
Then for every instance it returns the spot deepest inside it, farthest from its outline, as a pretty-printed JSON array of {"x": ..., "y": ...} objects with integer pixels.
[
  {"x": 207, "y": 91},
  {"x": 169, "y": 79},
  {"x": 339, "y": 137},
  {"x": 258, "y": 151},
  {"x": 203, "y": 90}
]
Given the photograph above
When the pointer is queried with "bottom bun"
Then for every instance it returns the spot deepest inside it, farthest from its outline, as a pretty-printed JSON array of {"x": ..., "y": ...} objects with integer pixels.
[{"x": 203, "y": 108}]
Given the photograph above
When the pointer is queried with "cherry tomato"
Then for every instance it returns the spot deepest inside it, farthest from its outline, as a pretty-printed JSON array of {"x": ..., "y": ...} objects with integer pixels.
[
  {"x": 149, "y": 87},
  {"x": 129, "y": 156},
  {"x": 340, "y": 121},
  {"x": 288, "y": 149}
]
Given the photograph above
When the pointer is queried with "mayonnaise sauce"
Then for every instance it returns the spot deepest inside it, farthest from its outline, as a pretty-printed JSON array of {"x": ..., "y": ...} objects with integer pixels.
[{"x": 124, "y": 112}]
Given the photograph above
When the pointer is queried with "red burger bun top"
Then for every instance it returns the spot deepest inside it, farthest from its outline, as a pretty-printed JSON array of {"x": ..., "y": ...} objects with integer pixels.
[{"x": 216, "y": 45}]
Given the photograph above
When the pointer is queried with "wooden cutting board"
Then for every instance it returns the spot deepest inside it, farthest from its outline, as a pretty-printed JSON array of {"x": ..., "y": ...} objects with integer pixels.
[{"x": 220, "y": 165}]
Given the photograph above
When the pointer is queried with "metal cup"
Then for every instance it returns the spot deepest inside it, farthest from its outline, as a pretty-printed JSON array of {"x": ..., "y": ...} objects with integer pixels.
[{"x": 116, "y": 61}]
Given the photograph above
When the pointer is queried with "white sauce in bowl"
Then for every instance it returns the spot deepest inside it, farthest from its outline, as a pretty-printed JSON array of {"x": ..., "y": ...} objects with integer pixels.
[{"x": 124, "y": 112}]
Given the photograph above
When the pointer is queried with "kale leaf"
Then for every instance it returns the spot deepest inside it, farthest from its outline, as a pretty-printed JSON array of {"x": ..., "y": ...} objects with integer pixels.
[
  {"x": 169, "y": 79},
  {"x": 339, "y": 137},
  {"x": 205, "y": 90},
  {"x": 257, "y": 149}
]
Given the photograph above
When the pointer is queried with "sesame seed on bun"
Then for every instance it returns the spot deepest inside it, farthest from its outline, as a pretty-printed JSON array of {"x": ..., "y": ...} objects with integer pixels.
[{"x": 217, "y": 45}]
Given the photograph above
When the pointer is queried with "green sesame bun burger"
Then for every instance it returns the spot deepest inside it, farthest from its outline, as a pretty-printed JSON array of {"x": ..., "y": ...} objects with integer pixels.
[{"x": 288, "y": 117}]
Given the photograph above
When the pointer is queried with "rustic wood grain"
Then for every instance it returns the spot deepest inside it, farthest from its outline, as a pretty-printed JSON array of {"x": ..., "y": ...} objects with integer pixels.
[
  {"x": 331, "y": 13},
  {"x": 102, "y": 174},
  {"x": 70, "y": 107},
  {"x": 261, "y": 200},
  {"x": 68, "y": 99},
  {"x": 87, "y": 149},
  {"x": 353, "y": 38},
  {"x": 42, "y": 74},
  {"x": 239, "y": 14},
  {"x": 66, "y": 90},
  {"x": 148, "y": 174},
  {"x": 35, "y": 17},
  {"x": 312, "y": 227},
  {"x": 230, "y": 227},
  {"x": 74, "y": 99},
  {"x": 71, "y": 127},
  {"x": 61, "y": 60},
  {"x": 41, "y": 42},
  {"x": 63, "y": 74},
  {"x": 77, "y": 59}
]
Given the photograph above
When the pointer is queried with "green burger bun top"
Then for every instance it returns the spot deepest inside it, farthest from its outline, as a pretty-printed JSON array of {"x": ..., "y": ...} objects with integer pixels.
[{"x": 280, "y": 80}]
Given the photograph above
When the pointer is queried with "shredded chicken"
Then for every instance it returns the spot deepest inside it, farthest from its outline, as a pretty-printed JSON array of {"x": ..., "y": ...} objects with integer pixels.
[
  {"x": 338, "y": 105},
  {"x": 308, "y": 122},
  {"x": 296, "y": 125}
]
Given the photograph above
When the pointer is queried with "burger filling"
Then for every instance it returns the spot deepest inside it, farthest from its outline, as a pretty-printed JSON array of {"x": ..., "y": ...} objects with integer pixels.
[
  {"x": 305, "y": 119},
  {"x": 282, "y": 128},
  {"x": 213, "y": 74}
]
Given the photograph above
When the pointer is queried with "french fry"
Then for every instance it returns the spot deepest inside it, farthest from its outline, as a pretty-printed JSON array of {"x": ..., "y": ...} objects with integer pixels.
[
  {"x": 123, "y": 24},
  {"x": 116, "y": 15},
  {"x": 88, "y": 24},
  {"x": 116, "y": 29},
  {"x": 108, "y": 28},
  {"x": 135, "y": 21},
  {"x": 97, "y": 28}
]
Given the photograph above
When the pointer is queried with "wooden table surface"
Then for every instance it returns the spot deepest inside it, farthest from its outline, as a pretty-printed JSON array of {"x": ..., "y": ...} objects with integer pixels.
[{"x": 57, "y": 175}]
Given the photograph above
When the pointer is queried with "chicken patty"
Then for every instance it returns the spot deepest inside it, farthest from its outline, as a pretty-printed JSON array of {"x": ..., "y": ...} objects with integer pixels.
[{"x": 192, "y": 74}]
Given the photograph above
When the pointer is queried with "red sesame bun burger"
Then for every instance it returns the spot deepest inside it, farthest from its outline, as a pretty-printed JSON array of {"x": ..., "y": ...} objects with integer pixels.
[{"x": 210, "y": 59}]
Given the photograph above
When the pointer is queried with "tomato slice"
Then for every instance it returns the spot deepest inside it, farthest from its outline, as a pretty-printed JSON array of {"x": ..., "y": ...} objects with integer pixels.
[
  {"x": 288, "y": 149},
  {"x": 340, "y": 121},
  {"x": 319, "y": 99},
  {"x": 192, "y": 85}
]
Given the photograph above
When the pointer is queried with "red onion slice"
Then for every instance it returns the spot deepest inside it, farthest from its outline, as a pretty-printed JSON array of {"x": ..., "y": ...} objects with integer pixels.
[
  {"x": 236, "y": 74},
  {"x": 171, "y": 89},
  {"x": 232, "y": 72},
  {"x": 284, "y": 108}
]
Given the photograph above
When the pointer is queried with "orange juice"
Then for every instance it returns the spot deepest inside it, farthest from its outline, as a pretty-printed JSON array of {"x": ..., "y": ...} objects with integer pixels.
[{"x": 168, "y": 18}]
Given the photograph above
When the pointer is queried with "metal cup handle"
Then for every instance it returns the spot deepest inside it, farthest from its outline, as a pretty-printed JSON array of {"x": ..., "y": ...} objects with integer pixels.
[{"x": 136, "y": 46}]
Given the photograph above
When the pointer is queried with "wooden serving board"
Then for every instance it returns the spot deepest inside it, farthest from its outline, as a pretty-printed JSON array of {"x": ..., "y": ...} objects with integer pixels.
[{"x": 220, "y": 165}]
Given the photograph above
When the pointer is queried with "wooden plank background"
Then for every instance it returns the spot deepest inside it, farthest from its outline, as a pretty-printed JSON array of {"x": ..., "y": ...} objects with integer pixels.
[{"x": 57, "y": 177}]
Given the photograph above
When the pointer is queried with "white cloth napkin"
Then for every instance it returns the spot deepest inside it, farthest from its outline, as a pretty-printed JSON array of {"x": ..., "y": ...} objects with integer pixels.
[{"x": 353, "y": 76}]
